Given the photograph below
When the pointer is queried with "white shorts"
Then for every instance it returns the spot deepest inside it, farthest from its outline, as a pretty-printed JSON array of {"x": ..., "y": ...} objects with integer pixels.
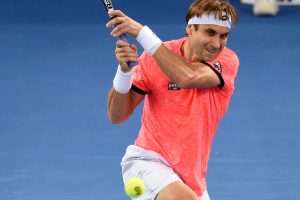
[{"x": 152, "y": 168}]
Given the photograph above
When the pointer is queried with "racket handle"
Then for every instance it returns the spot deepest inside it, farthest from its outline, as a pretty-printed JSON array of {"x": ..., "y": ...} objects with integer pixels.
[{"x": 124, "y": 38}]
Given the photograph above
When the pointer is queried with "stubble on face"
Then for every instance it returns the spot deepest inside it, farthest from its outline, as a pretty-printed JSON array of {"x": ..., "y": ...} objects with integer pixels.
[{"x": 205, "y": 43}]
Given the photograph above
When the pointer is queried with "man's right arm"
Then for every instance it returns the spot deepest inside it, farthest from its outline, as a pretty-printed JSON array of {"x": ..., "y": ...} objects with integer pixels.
[{"x": 121, "y": 106}]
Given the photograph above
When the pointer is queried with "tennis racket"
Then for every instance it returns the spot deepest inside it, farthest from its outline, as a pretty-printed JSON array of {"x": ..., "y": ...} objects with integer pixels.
[{"x": 109, "y": 6}]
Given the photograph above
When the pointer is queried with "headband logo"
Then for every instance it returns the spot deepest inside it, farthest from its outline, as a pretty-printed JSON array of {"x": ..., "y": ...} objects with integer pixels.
[{"x": 224, "y": 18}]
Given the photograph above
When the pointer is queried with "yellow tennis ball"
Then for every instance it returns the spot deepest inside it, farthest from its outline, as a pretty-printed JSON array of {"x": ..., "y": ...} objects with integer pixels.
[{"x": 134, "y": 187}]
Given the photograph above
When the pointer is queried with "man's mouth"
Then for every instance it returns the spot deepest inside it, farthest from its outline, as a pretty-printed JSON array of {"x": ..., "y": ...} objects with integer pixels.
[{"x": 212, "y": 51}]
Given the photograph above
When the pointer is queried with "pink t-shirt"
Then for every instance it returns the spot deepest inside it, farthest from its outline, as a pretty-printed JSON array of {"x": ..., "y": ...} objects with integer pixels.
[{"x": 180, "y": 124}]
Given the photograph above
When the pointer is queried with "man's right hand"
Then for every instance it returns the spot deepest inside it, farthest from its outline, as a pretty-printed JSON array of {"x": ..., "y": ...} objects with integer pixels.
[{"x": 125, "y": 53}]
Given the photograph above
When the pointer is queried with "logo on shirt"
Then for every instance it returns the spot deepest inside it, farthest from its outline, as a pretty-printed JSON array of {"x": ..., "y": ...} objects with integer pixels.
[
  {"x": 217, "y": 65},
  {"x": 173, "y": 86}
]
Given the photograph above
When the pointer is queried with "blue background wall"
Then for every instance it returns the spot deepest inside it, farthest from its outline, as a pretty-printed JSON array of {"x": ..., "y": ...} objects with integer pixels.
[
  {"x": 80, "y": 11},
  {"x": 56, "y": 68}
]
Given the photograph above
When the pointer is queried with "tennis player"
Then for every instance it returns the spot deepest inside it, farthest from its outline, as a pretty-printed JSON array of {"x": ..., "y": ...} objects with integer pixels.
[{"x": 186, "y": 85}]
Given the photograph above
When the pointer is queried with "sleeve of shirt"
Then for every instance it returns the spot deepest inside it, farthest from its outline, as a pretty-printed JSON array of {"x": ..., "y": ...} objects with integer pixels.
[
  {"x": 225, "y": 66},
  {"x": 141, "y": 83}
]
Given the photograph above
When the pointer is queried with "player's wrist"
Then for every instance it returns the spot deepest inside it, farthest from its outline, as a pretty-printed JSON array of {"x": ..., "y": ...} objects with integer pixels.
[
  {"x": 123, "y": 80},
  {"x": 148, "y": 40},
  {"x": 124, "y": 68}
]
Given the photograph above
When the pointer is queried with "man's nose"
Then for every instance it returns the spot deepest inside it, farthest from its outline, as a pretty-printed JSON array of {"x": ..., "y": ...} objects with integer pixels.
[{"x": 215, "y": 42}]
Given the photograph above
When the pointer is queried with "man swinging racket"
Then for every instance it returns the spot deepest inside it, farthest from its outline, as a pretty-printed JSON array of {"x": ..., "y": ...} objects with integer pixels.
[{"x": 186, "y": 85}]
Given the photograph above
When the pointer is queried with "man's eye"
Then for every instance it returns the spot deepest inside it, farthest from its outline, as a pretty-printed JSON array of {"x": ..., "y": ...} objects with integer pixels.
[
  {"x": 225, "y": 36},
  {"x": 210, "y": 32}
]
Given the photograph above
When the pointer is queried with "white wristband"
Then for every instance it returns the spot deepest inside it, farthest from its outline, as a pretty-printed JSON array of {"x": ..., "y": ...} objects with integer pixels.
[
  {"x": 149, "y": 41},
  {"x": 122, "y": 81}
]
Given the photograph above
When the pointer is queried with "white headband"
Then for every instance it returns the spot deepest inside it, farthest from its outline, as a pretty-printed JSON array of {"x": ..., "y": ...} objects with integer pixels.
[{"x": 211, "y": 19}]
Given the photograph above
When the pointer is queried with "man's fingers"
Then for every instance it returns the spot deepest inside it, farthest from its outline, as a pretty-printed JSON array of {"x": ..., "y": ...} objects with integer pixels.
[
  {"x": 131, "y": 55},
  {"x": 126, "y": 52},
  {"x": 121, "y": 43},
  {"x": 124, "y": 58},
  {"x": 117, "y": 18},
  {"x": 118, "y": 13},
  {"x": 120, "y": 29},
  {"x": 132, "y": 46},
  {"x": 115, "y": 22}
]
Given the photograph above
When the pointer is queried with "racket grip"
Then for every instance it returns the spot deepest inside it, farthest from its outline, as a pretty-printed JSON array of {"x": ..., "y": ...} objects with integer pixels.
[{"x": 124, "y": 38}]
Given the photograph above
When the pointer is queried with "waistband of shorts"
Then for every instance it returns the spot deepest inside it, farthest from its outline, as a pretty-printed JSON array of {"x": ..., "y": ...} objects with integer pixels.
[{"x": 137, "y": 152}]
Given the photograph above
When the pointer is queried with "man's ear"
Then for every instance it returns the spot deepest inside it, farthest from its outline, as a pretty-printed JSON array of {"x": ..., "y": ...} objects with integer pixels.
[{"x": 188, "y": 29}]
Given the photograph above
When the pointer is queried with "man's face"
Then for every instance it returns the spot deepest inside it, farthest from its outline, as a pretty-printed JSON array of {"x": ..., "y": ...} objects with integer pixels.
[{"x": 207, "y": 41}]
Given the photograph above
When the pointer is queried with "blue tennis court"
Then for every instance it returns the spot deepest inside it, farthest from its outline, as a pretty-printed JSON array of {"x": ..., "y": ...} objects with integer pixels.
[{"x": 57, "y": 64}]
